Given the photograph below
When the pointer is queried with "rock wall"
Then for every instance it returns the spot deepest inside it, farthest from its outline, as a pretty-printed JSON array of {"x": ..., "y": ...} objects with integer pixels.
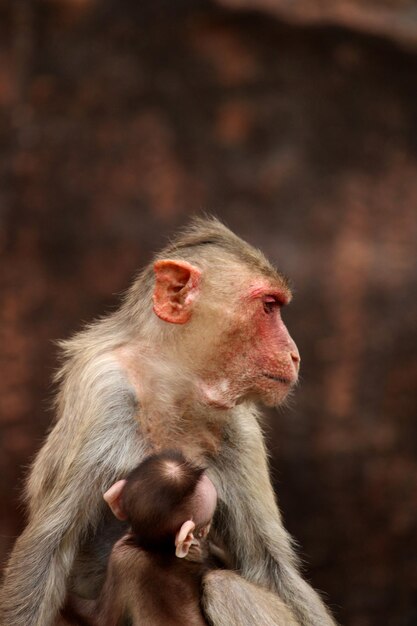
[{"x": 395, "y": 19}]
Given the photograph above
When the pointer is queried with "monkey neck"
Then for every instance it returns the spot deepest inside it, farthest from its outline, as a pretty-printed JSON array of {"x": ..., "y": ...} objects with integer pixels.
[
  {"x": 197, "y": 429},
  {"x": 198, "y": 403},
  {"x": 197, "y": 410}
]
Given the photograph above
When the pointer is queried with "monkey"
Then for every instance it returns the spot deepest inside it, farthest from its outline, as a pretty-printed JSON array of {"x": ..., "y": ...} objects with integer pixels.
[
  {"x": 169, "y": 504},
  {"x": 196, "y": 345},
  {"x": 155, "y": 570}
]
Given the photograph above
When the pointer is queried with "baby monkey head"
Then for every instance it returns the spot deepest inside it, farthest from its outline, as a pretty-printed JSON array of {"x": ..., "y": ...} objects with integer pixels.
[{"x": 168, "y": 501}]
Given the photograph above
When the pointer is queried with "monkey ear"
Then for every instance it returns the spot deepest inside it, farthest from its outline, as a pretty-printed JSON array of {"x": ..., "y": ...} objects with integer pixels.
[
  {"x": 113, "y": 498},
  {"x": 184, "y": 539},
  {"x": 176, "y": 287}
]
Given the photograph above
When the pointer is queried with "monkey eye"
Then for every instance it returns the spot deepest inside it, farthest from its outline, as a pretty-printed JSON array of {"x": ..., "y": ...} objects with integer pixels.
[{"x": 270, "y": 304}]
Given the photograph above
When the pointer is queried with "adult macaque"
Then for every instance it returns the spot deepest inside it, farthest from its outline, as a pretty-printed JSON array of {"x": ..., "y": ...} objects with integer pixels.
[{"x": 199, "y": 338}]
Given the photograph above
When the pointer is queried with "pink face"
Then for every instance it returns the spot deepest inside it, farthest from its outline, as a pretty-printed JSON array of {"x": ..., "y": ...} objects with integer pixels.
[
  {"x": 276, "y": 359},
  {"x": 252, "y": 354},
  {"x": 259, "y": 358}
]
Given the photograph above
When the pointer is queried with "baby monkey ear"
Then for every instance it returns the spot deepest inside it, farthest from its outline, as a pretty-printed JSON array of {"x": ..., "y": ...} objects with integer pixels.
[
  {"x": 113, "y": 497},
  {"x": 177, "y": 284},
  {"x": 184, "y": 539}
]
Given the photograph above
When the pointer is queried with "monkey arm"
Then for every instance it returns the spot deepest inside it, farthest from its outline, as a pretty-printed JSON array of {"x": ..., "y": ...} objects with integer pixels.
[
  {"x": 251, "y": 526},
  {"x": 255, "y": 605},
  {"x": 94, "y": 441},
  {"x": 37, "y": 574}
]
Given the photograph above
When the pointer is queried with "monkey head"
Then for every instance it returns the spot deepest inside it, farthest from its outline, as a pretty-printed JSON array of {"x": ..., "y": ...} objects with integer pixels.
[
  {"x": 194, "y": 531},
  {"x": 169, "y": 503},
  {"x": 232, "y": 333}
]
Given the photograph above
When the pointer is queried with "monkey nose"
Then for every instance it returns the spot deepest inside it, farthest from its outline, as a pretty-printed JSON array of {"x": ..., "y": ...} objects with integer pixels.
[{"x": 295, "y": 357}]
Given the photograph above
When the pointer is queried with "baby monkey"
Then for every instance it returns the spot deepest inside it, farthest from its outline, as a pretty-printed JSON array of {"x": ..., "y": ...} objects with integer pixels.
[{"x": 155, "y": 571}]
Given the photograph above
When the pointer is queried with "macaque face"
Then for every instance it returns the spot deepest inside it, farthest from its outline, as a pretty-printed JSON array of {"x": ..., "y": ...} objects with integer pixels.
[
  {"x": 274, "y": 363},
  {"x": 256, "y": 356}
]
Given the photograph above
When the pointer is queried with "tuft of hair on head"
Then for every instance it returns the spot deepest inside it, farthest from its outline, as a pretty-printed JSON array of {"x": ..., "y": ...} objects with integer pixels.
[
  {"x": 212, "y": 247},
  {"x": 209, "y": 232},
  {"x": 158, "y": 498}
]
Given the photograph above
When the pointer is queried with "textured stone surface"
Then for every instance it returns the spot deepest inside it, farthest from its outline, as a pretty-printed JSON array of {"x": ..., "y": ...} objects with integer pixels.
[
  {"x": 120, "y": 119},
  {"x": 396, "y": 19}
]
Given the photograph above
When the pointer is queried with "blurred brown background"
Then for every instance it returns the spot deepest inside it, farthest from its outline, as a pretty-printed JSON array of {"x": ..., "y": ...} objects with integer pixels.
[{"x": 296, "y": 123}]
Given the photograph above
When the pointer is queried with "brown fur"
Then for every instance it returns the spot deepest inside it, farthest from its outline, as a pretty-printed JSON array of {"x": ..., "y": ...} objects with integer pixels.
[
  {"x": 143, "y": 588},
  {"x": 146, "y": 583},
  {"x": 120, "y": 379}
]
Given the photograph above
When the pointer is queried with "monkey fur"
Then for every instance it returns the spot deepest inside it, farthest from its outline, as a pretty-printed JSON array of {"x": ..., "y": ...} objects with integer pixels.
[{"x": 199, "y": 338}]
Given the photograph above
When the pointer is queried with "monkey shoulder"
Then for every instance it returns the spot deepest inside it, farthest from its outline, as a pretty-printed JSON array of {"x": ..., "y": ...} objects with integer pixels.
[
  {"x": 147, "y": 564},
  {"x": 127, "y": 548}
]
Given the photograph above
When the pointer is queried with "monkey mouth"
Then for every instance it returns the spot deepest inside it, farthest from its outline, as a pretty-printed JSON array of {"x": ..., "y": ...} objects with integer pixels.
[{"x": 278, "y": 379}]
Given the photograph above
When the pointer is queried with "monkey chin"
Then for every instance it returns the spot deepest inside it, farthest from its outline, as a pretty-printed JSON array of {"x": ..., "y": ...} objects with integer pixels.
[{"x": 273, "y": 391}]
